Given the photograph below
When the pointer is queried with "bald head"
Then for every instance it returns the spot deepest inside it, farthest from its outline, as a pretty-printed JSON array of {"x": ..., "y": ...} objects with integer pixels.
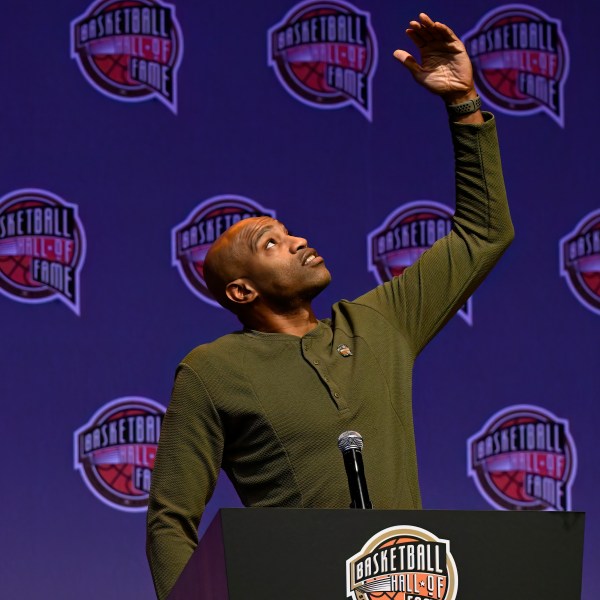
[
  {"x": 227, "y": 258},
  {"x": 258, "y": 269}
]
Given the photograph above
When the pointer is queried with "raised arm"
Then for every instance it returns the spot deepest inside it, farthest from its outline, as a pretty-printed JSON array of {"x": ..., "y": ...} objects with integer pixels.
[{"x": 430, "y": 291}]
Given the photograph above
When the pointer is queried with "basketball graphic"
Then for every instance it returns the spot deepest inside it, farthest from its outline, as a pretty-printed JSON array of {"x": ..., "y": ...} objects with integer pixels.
[
  {"x": 42, "y": 248},
  {"x": 400, "y": 563},
  {"x": 521, "y": 60},
  {"x": 404, "y": 235},
  {"x": 511, "y": 482},
  {"x": 523, "y": 459},
  {"x": 325, "y": 55},
  {"x": 15, "y": 270},
  {"x": 115, "y": 451},
  {"x": 579, "y": 256},
  {"x": 129, "y": 50},
  {"x": 191, "y": 239}
]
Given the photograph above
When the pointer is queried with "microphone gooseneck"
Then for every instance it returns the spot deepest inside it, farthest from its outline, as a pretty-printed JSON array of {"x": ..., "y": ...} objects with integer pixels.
[{"x": 351, "y": 444}]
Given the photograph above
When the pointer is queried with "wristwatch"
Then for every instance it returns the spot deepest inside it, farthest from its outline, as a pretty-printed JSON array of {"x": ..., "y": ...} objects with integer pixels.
[{"x": 465, "y": 108}]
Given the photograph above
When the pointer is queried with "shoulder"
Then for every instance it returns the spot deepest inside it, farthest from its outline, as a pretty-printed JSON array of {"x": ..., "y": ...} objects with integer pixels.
[
  {"x": 222, "y": 351},
  {"x": 362, "y": 313}
]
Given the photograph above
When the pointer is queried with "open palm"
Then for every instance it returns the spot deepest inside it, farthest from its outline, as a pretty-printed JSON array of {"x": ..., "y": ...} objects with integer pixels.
[{"x": 445, "y": 67}]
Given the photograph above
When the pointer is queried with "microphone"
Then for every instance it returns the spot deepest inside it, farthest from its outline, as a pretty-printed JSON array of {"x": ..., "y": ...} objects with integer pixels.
[{"x": 351, "y": 443}]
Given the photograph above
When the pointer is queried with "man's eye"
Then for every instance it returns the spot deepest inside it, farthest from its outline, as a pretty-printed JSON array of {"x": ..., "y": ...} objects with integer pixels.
[{"x": 270, "y": 244}]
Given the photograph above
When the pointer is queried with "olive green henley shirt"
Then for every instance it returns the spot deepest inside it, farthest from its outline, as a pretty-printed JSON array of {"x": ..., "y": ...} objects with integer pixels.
[{"x": 268, "y": 408}]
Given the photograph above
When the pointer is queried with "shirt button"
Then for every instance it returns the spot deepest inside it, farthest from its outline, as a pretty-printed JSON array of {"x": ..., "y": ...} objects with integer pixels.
[
  {"x": 326, "y": 379},
  {"x": 336, "y": 395},
  {"x": 316, "y": 362}
]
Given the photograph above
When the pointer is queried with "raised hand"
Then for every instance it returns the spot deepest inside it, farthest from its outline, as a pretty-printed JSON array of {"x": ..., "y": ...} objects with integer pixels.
[{"x": 445, "y": 68}]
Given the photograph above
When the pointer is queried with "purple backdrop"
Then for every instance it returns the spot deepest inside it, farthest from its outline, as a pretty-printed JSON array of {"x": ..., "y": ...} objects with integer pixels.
[{"x": 135, "y": 170}]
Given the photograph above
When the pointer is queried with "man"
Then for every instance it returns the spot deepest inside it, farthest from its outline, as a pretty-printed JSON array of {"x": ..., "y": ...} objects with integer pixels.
[{"x": 267, "y": 404}]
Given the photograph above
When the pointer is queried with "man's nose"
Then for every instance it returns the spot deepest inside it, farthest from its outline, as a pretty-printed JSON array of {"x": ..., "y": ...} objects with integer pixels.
[{"x": 297, "y": 243}]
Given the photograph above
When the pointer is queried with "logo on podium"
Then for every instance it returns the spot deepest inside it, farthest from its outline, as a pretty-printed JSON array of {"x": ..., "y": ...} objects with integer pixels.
[{"x": 402, "y": 563}]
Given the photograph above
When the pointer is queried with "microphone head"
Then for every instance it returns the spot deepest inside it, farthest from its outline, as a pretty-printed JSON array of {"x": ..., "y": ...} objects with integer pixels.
[{"x": 350, "y": 440}]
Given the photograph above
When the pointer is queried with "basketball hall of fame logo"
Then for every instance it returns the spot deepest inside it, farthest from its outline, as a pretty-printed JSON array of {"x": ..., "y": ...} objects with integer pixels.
[
  {"x": 42, "y": 248},
  {"x": 580, "y": 261},
  {"x": 402, "y": 563},
  {"x": 325, "y": 55},
  {"x": 129, "y": 50},
  {"x": 523, "y": 458},
  {"x": 404, "y": 235},
  {"x": 115, "y": 451},
  {"x": 191, "y": 239},
  {"x": 521, "y": 60}
]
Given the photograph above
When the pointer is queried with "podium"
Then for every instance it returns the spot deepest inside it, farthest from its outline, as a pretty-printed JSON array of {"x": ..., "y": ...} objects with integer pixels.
[{"x": 300, "y": 554}]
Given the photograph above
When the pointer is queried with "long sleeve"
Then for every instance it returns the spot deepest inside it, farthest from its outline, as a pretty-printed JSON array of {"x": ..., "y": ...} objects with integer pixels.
[
  {"x": 184, "y": 477},
  {"x": 431, "y": 290}
]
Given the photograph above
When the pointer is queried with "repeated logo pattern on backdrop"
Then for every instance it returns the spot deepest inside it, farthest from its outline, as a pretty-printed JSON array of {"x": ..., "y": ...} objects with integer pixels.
[
  {"x": 521, "y": 60},
  {"x": 325, "y": 55},
  {"x": 524, "y": 458},
  {"x": 115, "y": 451},
  {"x": 402, "y": 562},
  {"x": 308, "y": 121},
  {"x": 42, "y": 248},
  {"x": 129, "y": 51},
  {"x": 191, "y": 239},
  {"x": 580, "y": 261},
  {"x": 404, "y": 235}
]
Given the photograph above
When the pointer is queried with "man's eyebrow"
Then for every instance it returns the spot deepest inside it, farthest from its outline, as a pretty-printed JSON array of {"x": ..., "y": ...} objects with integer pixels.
[{"x": 259, "y": 234}]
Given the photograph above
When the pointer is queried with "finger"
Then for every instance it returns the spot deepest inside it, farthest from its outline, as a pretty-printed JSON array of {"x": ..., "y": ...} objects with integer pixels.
[
  {"x": 416, "y": 37},
  {"x": 426, "y": 34},
  {"x": 437, "y": 29},
  {"x": 445, "y": 32},
  {"x": 419, "y": 29},
  {"x": 422, "y": 28},
  {"x": 408, "y": 61},
  {"x": 426, "y": 20}
]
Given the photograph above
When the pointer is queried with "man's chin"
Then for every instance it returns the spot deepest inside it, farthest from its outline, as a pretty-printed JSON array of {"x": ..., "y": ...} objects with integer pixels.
[{"x": 318, "y": 287}]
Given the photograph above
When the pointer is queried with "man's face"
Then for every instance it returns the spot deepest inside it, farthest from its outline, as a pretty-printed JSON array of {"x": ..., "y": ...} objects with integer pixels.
[{"x": 282, "y": 267}]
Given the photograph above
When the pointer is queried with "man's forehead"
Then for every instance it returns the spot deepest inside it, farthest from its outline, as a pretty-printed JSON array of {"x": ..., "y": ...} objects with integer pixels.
[
  {"x": 250, "y": 224},
  {"x": 250, "y": 229}
]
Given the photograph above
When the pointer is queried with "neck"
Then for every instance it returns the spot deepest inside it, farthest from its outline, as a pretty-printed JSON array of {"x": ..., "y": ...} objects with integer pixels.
[{"x": 298, "y": 321}]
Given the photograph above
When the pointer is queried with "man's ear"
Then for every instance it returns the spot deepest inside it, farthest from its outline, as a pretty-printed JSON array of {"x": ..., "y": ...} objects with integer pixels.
[{"x": 241, "y": 291}]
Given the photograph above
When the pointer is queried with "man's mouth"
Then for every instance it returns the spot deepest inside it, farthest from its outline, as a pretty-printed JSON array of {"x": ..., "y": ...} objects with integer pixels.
[{"x": 310, "y": 256}]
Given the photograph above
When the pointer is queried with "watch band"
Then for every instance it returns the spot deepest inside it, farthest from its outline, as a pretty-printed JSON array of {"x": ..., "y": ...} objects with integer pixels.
[{"x": 465, "y": 108}]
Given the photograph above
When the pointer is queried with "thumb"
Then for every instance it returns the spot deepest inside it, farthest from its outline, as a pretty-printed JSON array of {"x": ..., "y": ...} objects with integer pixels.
[{"x": 409, "y": 62}]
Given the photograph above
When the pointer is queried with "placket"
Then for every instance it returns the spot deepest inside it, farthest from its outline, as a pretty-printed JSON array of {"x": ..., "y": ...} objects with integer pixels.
[{"x": 318, "y": 363}]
